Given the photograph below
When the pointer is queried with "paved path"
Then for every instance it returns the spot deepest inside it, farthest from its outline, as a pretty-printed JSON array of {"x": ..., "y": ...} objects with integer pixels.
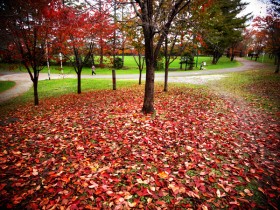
[{"x": 23, "y": 82}]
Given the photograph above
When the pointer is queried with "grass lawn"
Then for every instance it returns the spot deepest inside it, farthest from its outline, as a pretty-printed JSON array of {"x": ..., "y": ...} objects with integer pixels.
[
  {"x": 263, "y": 59},
  {"x": 259, "y": 87},
  {"x": 5, "y": 85},
  {"x": 57, "y": 88},
  {"x": 98, "y": 150},
  {"x": 130, "y": 67}
]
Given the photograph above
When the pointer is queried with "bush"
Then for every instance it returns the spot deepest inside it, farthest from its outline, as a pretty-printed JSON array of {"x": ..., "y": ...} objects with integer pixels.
[
  {"x": 118, "y": 63},
  {"x": 159, "y": 65}
]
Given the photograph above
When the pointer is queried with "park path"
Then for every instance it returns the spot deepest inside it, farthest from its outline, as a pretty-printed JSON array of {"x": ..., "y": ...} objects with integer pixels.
[{"x": 23, "y": 82}]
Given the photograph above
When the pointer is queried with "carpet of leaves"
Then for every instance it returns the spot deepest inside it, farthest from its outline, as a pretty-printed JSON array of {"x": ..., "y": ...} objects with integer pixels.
[{"x": 97, "y": 150}]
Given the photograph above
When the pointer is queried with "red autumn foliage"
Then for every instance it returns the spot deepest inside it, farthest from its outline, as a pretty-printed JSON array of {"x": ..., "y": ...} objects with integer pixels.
[{"x": 97, "y": 150}]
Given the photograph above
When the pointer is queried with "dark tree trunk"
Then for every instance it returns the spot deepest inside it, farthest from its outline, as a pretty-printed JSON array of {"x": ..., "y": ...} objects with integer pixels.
[
  {"x": 79, "y": 82},
  {"x": 278, "y": 64},
  {"x": 232, "y": 57},
  {"x": 140, "y": 66},
  {"x": 216, "y": 57},
  {"x": 140, "y": 77},
  {"x": 35, "y": 86},
  {"x": 101, "y": 55},
  {"x": 256, "y": 57},
  {"x": 166, "y": 80},
  {"x": 214, "y": 60},
  {"x": 148, "y": 105},
  {"x": 165, "y": 89}
]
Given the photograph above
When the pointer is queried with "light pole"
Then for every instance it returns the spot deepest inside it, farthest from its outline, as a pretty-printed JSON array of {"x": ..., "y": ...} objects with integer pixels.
[
  {"x": 48, "y": 63},
  {"x": 61, "y": 68},
  {"x": 263, "y": 53}
]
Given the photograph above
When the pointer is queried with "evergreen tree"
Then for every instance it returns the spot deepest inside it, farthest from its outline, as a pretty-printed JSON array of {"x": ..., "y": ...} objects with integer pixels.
[{"x": 224, "y": 27}]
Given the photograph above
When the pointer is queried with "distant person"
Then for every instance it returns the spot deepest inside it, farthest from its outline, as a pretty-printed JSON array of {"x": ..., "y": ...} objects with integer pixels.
[{"x": 93, "y": 70}]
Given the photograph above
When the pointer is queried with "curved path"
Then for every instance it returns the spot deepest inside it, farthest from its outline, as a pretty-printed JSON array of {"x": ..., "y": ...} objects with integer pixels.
[{"x": 23, "y": 82}]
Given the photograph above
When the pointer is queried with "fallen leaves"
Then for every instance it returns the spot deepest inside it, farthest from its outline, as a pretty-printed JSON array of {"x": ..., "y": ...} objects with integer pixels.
[
  {"x": 163, "y": 175},
  {"x": 97, "y": 150},
  {"x": 35, "y": 172}
]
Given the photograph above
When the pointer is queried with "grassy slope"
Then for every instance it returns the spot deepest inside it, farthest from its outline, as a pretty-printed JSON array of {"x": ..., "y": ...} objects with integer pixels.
[
  {"x": 5, "y": 85},
  {"x": 258, "y": 87}
]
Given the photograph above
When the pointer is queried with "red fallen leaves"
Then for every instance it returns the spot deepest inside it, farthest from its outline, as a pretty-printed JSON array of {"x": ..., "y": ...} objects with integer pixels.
[{"x": 97, "y": 150}]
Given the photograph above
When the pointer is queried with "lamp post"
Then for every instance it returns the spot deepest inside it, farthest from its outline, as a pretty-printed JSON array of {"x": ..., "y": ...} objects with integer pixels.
[
  {"x": 61, "y": 68},
  {"x": 263, "y": 53},
  {"x": 48, "y": 63}
]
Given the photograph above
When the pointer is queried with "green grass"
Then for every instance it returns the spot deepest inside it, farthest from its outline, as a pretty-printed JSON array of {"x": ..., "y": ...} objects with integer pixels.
[
  {"x": 130, "y": 67},
  {"x": 223, "y": 62},
  {"x": 258, "y": 87},
  {"x": 263, "y": 59},
  {"x": 59, "y": 87},
  {"x": 6, "y": 85}
]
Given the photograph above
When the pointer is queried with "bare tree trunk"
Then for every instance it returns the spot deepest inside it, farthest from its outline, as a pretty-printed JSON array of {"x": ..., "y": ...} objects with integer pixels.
[
  {"x": 101, "y": 53},
  {"x": 140, "y": 77},
  {"x": 232, "y": 55},
  {"x": 278, "y": 64},
  {"x": 165, "y": 89},
  {"x": 35, "y": 87},
  {"x": 79, "y": 82},
  {"x": 148, "y": 105}
]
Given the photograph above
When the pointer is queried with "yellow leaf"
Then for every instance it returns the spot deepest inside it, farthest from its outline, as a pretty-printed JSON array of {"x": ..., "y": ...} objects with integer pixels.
[
  {"x": 248, "y": 192},
  {"x": 163, "y": 175},
  {"x": 132, "y": 204}
]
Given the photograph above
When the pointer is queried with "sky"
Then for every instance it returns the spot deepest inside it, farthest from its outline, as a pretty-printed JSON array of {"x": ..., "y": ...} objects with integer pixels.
[{"x": 257, "y": 7}]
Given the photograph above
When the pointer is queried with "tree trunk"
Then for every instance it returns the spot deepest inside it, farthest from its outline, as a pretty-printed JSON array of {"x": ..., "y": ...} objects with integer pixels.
[
  {"x": 216, "y": 57},
  {"x": 79, "y": 82},
  {"x": 165, "y": 89},
  {"x": 232, "y": 57},
  {"x": 140, "y": 77},
  {"x": 35, "y": 86},
  {"x": 214, "y": 60},
  {"x": 148, "y": 105},
  {"x": 166, "y": 79},
  {"x": 101, "y": 55},
  {"x": 278, "y": 64}
]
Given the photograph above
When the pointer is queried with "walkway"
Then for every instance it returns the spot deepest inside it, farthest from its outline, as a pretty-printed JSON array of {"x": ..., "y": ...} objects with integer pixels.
[{"x": 23, "y": 82}]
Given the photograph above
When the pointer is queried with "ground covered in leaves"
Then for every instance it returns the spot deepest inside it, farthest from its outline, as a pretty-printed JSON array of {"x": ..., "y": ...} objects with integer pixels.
[{"x": 97, "y": 150}]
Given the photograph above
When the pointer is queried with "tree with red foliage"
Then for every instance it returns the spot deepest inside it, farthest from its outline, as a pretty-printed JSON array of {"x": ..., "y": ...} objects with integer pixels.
[
  {"x": 75, "y": 32},
  {"x": 269, "y": 28},
  {"x": 24, "y": 33},
  {"x": 105, "y": 35}
]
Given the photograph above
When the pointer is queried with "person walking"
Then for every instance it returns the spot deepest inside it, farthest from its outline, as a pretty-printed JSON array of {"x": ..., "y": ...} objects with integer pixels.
[{"x": 93, "y": 70}]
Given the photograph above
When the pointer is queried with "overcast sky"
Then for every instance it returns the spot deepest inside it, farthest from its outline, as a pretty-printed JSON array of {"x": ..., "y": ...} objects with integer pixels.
[{"x": 257, "y": 7}]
